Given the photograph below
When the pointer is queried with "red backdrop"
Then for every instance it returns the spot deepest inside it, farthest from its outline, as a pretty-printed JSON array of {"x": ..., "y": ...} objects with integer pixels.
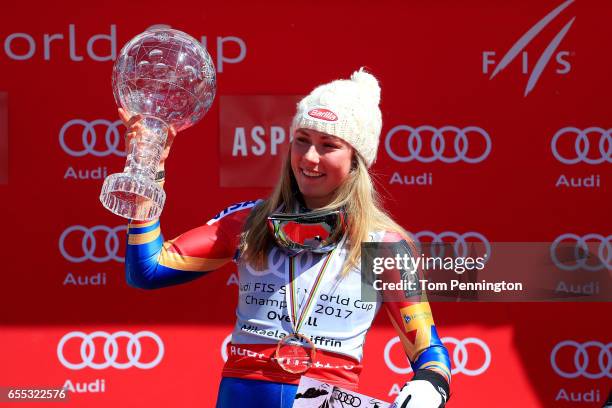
[{"x": 517, "y": 91}]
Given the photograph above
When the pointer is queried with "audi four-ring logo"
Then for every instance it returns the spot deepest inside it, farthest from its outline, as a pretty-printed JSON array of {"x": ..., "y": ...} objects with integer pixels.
[
  {"x": 581, "y": 252},
  {"x": 460, "y": 242},
  {"x": 88, "y": 243},
  {"x": 110, "y": 350},
  {"x": 462, "y": 144},
  {"x": 601, "y": 152},
  {"x": 459, "y": 356},
  {"x": 346, "y": 398},
  {"x": 87, "y": 143},
  {"x": 581, "y": 359},
  {"x": 277, "y": 263}
]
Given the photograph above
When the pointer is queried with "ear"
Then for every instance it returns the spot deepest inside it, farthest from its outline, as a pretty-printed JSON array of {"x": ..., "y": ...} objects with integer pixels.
[{"x": 354, "y": 162}]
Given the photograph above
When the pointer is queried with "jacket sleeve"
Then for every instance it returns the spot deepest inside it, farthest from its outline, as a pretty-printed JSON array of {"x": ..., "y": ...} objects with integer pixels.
[
  {"x": 411, "y": 316},
  {"x": 152, "y": 263}
]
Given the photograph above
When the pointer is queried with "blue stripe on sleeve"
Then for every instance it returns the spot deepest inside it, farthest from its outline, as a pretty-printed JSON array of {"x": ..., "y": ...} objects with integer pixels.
[
  {"x": 435, "y": 352},
  {"x": 135, "y": 229}
]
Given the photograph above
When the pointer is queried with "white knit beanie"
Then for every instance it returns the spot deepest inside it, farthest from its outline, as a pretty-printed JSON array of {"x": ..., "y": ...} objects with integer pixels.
[{"x": 347, "y": 109}]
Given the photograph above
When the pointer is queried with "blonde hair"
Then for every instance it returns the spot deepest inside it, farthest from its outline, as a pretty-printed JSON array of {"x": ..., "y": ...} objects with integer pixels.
[{"x": 356, "y": 195}]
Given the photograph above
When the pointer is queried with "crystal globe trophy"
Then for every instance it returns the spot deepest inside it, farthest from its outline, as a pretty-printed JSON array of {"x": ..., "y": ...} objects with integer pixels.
[{"x": 168, "y": 78}]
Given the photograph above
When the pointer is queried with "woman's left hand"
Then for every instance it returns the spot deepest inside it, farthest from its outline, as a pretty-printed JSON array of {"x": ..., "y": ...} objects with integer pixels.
[{"x": 419, "y": 394}]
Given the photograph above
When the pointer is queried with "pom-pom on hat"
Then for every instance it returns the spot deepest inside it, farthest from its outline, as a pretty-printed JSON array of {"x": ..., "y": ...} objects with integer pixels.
[{"x": 345, "y": 108}]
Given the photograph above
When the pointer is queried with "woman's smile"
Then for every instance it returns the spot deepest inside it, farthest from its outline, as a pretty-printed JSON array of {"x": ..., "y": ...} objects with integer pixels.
[{"x": 311, "y": 174}]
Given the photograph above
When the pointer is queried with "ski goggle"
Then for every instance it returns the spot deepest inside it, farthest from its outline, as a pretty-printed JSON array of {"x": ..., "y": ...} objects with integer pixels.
[{"x": 316, "y": 231}]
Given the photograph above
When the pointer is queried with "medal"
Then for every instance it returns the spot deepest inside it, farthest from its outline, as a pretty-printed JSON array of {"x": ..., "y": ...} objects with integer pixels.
[{"x": 295, "y": 353}]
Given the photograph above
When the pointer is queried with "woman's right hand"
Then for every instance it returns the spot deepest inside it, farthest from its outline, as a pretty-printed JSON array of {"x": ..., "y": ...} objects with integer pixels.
[{"x": 133, "y": 127}]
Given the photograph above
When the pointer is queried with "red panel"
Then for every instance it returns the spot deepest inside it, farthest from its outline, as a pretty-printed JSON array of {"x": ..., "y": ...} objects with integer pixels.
[
  {"x": 4, "y": 154},
  {"x": 463, "y": 150}
]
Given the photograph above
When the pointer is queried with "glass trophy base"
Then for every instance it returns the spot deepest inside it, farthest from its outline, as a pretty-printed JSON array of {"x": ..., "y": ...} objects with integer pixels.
[{"x": 132, "y": 197}]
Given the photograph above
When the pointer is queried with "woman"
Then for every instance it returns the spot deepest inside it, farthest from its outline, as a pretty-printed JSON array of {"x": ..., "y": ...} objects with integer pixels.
[{"x": 298, "y": 261}]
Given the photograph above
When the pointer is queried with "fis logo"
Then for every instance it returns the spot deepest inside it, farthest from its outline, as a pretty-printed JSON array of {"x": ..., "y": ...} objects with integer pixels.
[{"x": 489, "y": 59}]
